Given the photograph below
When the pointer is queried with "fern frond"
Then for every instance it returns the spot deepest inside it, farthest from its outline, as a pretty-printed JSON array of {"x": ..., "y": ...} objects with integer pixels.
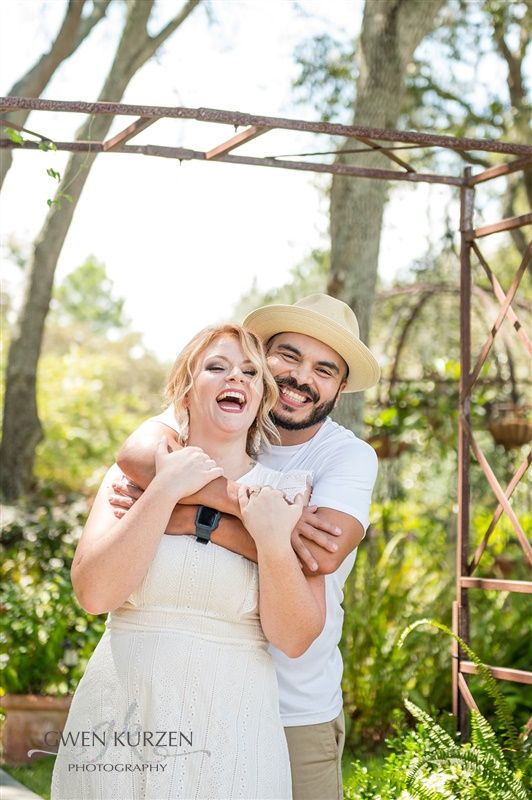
[
  {"x": 483, "y": 737},
  {"x": 419, "y": 791},
  {"x": 494, "y": 774},
  {"x": 434, "y": 732},
  {"x": 416, "y": 764},
  {"x": 509, "y": 733}
]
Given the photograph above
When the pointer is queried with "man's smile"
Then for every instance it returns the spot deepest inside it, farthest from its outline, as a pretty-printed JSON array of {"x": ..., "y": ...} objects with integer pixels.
[{"x": 293, "y": 398}]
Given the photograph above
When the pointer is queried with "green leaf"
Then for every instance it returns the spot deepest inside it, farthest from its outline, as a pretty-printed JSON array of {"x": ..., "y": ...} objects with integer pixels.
[
  {"x": 45, "y": 145},
  {"x": 15, "y": 136}
]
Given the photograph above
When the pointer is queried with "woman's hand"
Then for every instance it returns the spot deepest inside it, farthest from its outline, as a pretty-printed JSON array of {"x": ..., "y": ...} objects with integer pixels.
[
  {"x": 268, "y": 517},
  {"x": 184, "y": 470}
]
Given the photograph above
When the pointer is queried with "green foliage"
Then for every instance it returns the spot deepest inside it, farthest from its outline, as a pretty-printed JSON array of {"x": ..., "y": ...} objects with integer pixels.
[
  {"x": 46, "y": 145},
  {"x": 89, "y": 403},
  {"x": 46, "y": 637},
  {"x": 15, "y": 136},
  {"x": 449, "y": 84},
  {"x": 96, "y": 381},
  {"x": 428, "y": 763},
  {"x": 404, "y": 567},
  {"x": 503, "y": 714},
  {"x": 327, "y": 76},
  {"x": 474, "y": 771},
  {"x": 86, "y": 296}
]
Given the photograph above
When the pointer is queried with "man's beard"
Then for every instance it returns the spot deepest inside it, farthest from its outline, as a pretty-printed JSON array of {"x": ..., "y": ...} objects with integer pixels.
[{"x": 318, "y": 414}]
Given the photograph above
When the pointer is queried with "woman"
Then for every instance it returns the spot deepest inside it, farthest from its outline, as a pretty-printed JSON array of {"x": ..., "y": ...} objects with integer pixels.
[{"x": 179, "y": 699}]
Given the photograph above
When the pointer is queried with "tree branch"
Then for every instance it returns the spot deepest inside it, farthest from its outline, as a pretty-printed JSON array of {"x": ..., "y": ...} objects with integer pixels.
[
  {"x": 446, "y": 94},
  {"x": 154, "y": 42},
  {"x": 508, "y": 210},
  {"x": 33, "y": 82},
  {"x": 73, "y": 31},
  {"x": 99, "y": 11},
  {"x": 515, "y": 82},
  {"x": 470, "y": 159}
]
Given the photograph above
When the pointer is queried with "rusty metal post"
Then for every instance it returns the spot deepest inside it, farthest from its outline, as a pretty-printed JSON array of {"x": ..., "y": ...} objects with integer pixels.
[{"x": 461, "y": 611}]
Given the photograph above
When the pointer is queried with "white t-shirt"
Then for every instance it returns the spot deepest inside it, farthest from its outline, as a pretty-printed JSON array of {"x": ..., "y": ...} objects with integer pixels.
[{"x": 344, "y": 470}]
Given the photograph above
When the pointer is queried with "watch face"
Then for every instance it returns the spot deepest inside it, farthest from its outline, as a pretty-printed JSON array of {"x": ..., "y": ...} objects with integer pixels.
[{"x": 207, "y": 516}]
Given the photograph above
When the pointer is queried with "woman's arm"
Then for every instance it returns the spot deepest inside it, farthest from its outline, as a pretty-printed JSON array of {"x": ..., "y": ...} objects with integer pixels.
[
  {"x": 292, "y": 606},
  {"x": 113, "y": 556},
  {"x": 137, "y": 460}
]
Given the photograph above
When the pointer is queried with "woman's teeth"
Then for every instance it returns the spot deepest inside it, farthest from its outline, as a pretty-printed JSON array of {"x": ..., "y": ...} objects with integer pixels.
[
  {"x": 232, "y": 395},
  {"x": 231, "y": 401}
]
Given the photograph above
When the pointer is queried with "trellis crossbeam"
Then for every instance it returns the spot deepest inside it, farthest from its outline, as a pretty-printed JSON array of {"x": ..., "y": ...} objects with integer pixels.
[{"x": 257, "y": 126}]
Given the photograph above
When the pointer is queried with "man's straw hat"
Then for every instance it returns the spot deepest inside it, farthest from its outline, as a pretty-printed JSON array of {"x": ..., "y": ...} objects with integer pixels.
[{"x": 330, "y": 321}]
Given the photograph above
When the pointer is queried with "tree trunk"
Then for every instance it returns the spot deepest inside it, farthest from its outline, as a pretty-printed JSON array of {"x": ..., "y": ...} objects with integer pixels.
[
  {"x": 520, "y": 107},
  {"x": 74, "y": 30},
  {"x": 391, "y": 31},
  {"x": 21, "y": 426}
]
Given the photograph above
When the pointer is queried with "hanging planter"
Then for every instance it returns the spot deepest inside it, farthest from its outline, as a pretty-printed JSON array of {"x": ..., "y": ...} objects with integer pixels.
[{"x": 511, "y": 428}]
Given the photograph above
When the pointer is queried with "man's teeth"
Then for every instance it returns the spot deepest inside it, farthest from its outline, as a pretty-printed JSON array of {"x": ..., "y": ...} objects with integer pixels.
[{"x": 299, "y": 398}]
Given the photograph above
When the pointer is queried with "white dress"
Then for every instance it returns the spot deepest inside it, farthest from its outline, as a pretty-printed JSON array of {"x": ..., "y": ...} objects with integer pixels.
[{"x": 179, "y": 699}]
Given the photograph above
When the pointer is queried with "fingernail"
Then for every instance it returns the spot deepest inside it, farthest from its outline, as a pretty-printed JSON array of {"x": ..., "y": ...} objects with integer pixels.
[
  {"x": 338, "y": 530},
  {"x": 334, "y": 546},
  {"x": 314, "y": 566}
]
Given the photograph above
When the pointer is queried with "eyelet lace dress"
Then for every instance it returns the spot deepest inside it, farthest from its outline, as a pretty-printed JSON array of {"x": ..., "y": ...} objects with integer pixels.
[{"x": 179, "y": 699}]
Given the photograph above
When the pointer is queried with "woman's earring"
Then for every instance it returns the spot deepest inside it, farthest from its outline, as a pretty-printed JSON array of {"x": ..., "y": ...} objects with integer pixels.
[
  {"x": 184, "y": 428},
  {"x": 256, "y": 440}
]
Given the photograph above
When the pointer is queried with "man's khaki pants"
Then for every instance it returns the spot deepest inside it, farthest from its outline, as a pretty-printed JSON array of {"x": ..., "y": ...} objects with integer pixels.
[{"x": 316, "y": 759}]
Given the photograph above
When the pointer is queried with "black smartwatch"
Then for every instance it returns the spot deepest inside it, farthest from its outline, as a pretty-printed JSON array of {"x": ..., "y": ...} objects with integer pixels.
[{"x": 207, "y": 520}]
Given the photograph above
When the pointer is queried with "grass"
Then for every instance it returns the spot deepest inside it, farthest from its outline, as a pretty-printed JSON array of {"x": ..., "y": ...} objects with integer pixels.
[{"x": 37, "y": 775}]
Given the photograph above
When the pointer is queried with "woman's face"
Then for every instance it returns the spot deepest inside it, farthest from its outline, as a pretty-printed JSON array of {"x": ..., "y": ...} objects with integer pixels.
[{"x": 226, "y": 392}]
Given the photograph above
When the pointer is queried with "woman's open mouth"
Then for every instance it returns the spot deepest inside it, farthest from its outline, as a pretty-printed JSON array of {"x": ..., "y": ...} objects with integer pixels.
[
  {"x": 293, "y": 398},
  {"x": 232, "y": 400}
]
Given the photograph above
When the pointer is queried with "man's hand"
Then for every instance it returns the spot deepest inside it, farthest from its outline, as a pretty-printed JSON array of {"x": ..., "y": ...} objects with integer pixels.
[
  {"x": 314, "y": 528},
  {"x": 125, "y": 494}
]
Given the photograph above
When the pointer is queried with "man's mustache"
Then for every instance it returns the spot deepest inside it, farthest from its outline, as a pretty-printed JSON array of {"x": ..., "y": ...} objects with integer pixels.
[{"x": 303, "y": 387}]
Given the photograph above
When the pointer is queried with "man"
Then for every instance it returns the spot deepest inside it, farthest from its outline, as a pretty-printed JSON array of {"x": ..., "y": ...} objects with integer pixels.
[{"x": 315, "y": 354}]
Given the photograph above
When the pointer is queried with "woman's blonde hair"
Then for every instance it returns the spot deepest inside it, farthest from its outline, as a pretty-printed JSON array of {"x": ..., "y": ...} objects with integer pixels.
[{"x": 181, "y": 379}]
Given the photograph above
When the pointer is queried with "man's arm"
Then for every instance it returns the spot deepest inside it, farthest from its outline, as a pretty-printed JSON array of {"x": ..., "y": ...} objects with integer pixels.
[
  {"x": 316, "y": 548},
  {"x": 341, "y": 491},
  {"x": 230, "y": 532},
  {"x": 136, "y": 459}
]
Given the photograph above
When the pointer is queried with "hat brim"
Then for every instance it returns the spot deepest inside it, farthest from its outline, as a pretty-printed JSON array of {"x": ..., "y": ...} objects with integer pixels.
[{"x": 364, "y": 371}]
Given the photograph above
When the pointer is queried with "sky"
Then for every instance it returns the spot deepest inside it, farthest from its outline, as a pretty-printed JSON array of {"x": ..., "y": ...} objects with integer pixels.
[{"x": 182, "y": 243}]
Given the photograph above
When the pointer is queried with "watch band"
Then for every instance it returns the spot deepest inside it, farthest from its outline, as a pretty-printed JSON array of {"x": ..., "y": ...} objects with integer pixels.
[{"x": 207, "y": 520}]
